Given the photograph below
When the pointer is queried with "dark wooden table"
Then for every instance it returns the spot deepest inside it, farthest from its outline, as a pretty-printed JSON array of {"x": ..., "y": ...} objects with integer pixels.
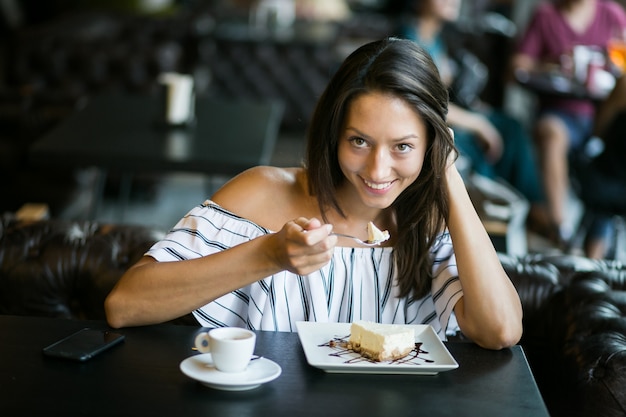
[
  {"x": 141, "y": 377},
  {"x": 125, "y": 134}
]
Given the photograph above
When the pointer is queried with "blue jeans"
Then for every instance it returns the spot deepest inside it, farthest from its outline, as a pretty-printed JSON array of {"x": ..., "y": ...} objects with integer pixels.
[{"x": 579, "y": 129}]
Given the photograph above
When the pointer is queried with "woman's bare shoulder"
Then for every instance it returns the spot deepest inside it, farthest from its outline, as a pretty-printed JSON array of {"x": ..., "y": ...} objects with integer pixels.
[
  {"x": 262, "y": 192},
  {"x": 258, "y": 180}
]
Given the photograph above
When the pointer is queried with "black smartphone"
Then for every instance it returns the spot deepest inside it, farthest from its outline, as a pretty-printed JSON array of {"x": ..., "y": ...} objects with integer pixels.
[{"x": 84, "y": 344}]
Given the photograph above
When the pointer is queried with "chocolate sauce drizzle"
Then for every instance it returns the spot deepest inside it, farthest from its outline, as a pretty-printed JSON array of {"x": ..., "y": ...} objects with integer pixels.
[{"x": 339, "y": 345}]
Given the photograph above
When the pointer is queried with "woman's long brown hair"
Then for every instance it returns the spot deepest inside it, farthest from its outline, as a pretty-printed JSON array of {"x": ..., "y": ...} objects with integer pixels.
[{"x": 405, "y": 70}]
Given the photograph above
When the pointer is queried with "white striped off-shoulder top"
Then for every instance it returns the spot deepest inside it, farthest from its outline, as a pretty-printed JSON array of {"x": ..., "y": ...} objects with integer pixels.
[{"x": 357, "y": 284}]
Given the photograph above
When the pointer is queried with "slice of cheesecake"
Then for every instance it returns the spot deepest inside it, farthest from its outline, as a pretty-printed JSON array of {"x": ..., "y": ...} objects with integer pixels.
[
  {"x": 375, "y": 235},
  {"x": 381, "y": 342}
]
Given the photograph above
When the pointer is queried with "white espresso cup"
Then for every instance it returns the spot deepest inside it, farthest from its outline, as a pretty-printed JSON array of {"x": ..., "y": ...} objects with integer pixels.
[{"x": 231, "y": 348}]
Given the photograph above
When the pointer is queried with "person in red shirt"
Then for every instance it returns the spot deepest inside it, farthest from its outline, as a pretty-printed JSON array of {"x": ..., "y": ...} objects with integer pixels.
[{"x": 564, "y": 125}]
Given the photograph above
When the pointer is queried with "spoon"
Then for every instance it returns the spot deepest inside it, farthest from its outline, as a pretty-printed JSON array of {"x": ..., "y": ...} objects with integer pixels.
[{"x": 360, "y": 241}]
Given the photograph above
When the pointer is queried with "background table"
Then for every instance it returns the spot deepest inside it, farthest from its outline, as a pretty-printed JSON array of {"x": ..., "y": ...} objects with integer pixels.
[
  {"x": 125, "y": 133},
  {"x": 142, "y": 377},
  {"x": 555, "y": 85}
]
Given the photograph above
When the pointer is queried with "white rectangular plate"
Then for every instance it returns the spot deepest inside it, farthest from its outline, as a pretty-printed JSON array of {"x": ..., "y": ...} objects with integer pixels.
[{"x": 429, "y": 357}]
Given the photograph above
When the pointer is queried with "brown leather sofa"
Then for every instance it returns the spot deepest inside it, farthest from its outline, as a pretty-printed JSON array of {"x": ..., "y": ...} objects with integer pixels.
[
  {"x": 574, "y": 308},
  {"x": 65, "y": 269},
  {"x": 574, "y": 330}
]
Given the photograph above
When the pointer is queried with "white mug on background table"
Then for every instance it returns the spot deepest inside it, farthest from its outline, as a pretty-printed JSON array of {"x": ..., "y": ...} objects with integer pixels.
[
  {"x": 231, "y": 348},
  {"x": 179, "y": 98}
]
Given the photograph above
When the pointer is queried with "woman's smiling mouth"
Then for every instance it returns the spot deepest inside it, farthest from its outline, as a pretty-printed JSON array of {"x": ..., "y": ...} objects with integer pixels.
[{"x": 378, "y": 186}]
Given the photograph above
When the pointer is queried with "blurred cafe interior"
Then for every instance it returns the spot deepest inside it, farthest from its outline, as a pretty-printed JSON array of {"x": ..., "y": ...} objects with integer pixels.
[
  {"x": 76, "y": 74},
  {"x": 58, "y": 55}
]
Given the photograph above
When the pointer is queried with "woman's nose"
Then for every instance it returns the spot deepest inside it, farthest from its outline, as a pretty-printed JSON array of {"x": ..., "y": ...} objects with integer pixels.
[{"x": 378, "y": 164}]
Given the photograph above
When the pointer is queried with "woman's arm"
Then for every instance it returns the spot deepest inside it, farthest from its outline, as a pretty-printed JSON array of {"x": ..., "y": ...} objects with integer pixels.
[
  {"x": 490, "y": 311},
  {"x": 153, "y": 292}
]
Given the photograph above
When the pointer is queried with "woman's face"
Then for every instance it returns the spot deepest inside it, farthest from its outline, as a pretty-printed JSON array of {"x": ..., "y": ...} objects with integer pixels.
[{"x": 381, "y": 148}]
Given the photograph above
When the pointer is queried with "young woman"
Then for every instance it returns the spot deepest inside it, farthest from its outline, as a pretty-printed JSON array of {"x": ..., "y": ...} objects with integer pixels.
[{"x": 261, "y": 253}]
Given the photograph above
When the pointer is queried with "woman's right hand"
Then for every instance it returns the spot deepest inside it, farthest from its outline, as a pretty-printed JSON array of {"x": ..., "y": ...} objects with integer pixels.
[{"x": 303, "y": 246}]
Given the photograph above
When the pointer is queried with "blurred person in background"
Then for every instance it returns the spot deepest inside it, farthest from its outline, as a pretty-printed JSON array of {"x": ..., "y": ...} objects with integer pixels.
[
  {"x": 497, "y": 145},
  {"x": 563, "y": 126}
]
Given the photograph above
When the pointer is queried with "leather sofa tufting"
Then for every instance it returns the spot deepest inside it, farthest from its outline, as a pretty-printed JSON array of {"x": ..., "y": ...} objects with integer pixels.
[
  {"x": 574, "y": 330},
  {"x": 574, "y": 307},
  {"x": 64, "y": 269}
]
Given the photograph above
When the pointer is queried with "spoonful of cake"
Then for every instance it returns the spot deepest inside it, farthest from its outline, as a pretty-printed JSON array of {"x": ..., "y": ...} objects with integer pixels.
[{"x": 375, "y": 236}]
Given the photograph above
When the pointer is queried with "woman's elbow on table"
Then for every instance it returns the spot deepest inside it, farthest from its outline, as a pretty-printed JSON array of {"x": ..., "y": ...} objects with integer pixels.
[
  {"x": 112, "y": 318},
  {"x": 505, "y": 338},
  {"x": 120, "y": 309},
  {"x": 120, "y": 313},
  {"x": 495, "y": 339},
  {"x": 125, "y": 310},
  {"x": 494, "y": 332},
  {"x": 122, "y": 304},
  {"x": 116, "y": 314}
]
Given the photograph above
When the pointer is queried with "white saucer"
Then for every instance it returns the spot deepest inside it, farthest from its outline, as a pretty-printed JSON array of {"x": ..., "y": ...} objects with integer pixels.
[{"x": 201, "y": 368}]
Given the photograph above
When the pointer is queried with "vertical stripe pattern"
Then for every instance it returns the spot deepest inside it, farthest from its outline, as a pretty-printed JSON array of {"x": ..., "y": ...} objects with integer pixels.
[{"x": 357, "y": 284}]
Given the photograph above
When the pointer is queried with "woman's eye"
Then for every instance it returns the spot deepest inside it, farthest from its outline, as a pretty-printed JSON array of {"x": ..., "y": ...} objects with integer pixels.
[
  {"x": 404, "y": 147},
  {"x": 358, "y": 142}
]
